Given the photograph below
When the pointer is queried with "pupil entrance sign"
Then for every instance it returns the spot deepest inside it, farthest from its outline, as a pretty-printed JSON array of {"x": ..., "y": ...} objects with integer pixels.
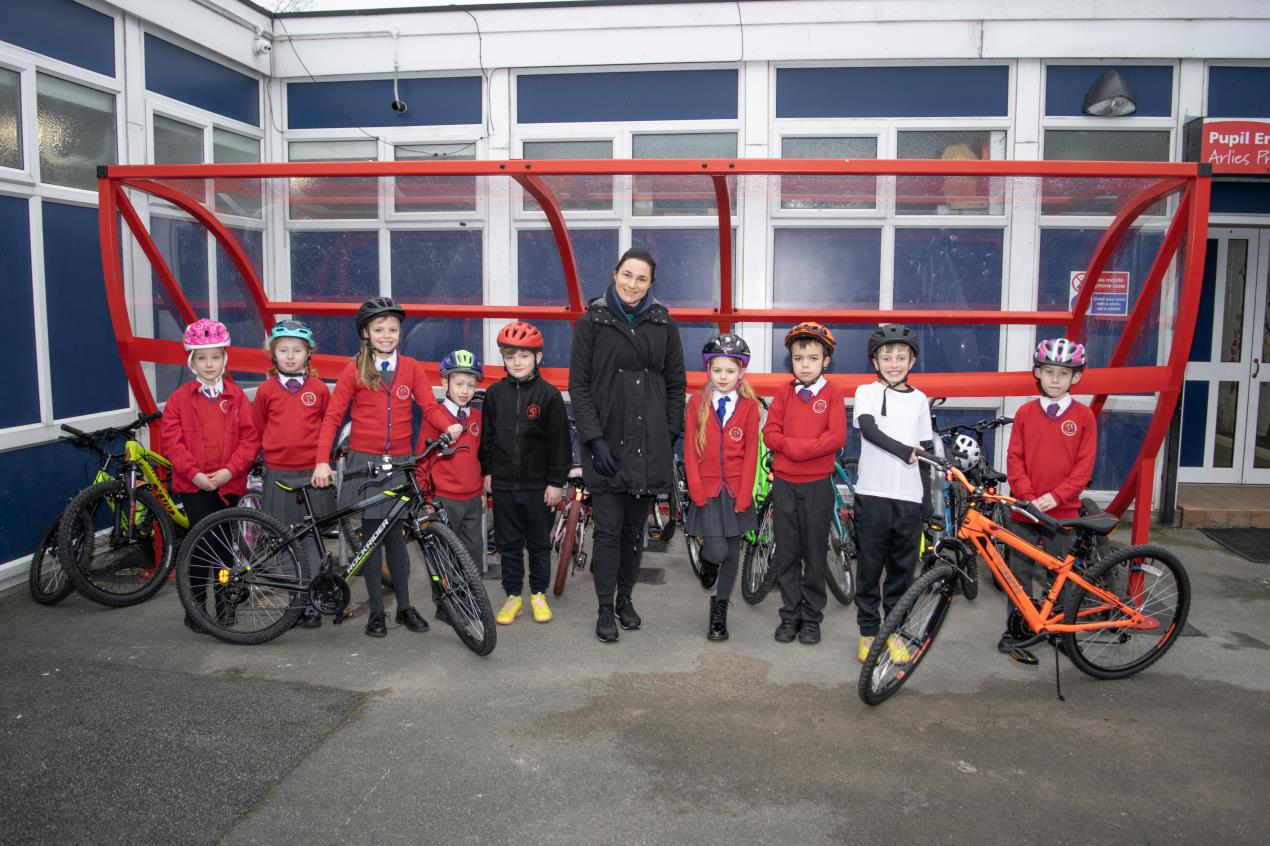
[{"x": 1111, "y": 296}]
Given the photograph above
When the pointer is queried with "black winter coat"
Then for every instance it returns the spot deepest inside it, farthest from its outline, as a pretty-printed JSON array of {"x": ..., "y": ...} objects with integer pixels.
[{"x": 627, "y": 385}]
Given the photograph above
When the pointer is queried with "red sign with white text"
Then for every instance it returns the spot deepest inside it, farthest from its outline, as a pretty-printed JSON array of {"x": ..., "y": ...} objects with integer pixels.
[{"x": 1236, "y": 146}]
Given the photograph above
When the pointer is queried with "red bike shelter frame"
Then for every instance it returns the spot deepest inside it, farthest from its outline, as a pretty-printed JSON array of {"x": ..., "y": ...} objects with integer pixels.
[{"x": 1186, "y": 233}]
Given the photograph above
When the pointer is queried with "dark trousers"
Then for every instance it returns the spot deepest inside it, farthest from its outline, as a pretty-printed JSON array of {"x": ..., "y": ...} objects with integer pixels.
[
  {"x": 393, "y": 545},
  {"x": 801, "y": 512},
  {"x": 1024, "y": 568},
  {"x": 617, "y": 541},
  {"x": 464, "y": 516},
  {"x": 198, "y": 505},
  {"x": 522, "y": 522},
  {"x": 726, "y": 552},
  {"x": 888, "y": 531}
]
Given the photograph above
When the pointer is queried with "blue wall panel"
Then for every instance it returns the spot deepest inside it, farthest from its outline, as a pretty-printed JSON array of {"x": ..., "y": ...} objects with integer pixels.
[
  {"x": 1151, "y": 86},
  {"x": 62, "y": 29},
  {"x": 1238, "y": 92},
  {"x": 633, "y": 95},
  {"x": 334, "y": 267},
  {"x": 436, "y": 101},
  {"x": 87, "y": 376},
  {"x": 17, "y": 342},
  {"x": 1194, "y": 423},
  {"x": 933, "y": 91},
  {"x": 1240, "y": 197},
  {"x": 1120, "y": 436},
  {"x": 177, "y": 73},
  {"x": 1202, "y": 342}
]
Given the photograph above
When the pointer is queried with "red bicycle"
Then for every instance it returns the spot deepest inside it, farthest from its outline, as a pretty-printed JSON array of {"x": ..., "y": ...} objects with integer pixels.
[{"x": 568, "y": 533}]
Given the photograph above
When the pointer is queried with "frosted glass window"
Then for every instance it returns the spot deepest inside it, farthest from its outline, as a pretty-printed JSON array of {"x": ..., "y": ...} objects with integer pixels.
[
  {"x": 1100, "y": 195},
  {"x": 10, "y": 119},
  {"x": 829, "y": 192},
  {"x": 76, "y": 128},
  {"x": 334, "y": 197},
  {"x": 680, "y": 195},
  {"x": 176, "y": 142},
  {"x": 574, "y": 193},
  {"x": 236, "y": 196},
  {"x": 435, "y": 193}
]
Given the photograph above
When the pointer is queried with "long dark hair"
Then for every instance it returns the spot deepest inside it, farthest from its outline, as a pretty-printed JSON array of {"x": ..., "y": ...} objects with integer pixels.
[{"x": 639, "y": 254}]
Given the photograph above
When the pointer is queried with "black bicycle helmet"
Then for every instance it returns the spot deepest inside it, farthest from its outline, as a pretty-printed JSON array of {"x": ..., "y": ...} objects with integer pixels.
[
  {"x": 728, "y": 345},
  {"x": 377, "y": 307},
  {"x": 892, "y": 333}
]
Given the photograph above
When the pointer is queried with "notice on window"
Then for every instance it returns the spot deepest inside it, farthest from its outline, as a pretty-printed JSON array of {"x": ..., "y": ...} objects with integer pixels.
[{"x": 1111, "y": 294}]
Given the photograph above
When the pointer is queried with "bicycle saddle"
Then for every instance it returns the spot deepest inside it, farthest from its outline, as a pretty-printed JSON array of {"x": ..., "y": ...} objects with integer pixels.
[{"x": 1099, "y": 524}]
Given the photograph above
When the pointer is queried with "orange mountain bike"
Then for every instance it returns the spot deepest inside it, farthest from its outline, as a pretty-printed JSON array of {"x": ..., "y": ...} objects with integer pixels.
[{"x": 1113, "y": 616}]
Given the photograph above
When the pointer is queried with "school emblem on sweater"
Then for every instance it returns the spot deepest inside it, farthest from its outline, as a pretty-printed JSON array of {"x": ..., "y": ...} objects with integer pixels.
[
  {"x": 736, "y": 433},
  {"x": 1068, "y": 428},
  {"x": 532, "y": 412},
  {"x": 403, "y": 392},
  {"x": 819, "y": 406},
  {"x": 474, "y": 428},
  {"x": 308, "y": 398},
  {"x": 224, "y": 406}
]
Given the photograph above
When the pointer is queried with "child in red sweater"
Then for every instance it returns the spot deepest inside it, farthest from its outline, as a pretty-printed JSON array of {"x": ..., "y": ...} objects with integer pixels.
[
  {"x": 1050, "y": 460},
  {"x": 721, "y": 427},
  {"x": 806, "y": 426},
  {"x": 288, "y": 413},
  {"x": 381, "y": 386},
  {"x": 209, "y": 437},
  {"x": 457, "y": 479}
]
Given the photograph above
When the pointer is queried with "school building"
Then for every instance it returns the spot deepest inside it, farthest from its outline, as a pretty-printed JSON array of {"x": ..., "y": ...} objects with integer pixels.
[{"x": 90, "y": 82}]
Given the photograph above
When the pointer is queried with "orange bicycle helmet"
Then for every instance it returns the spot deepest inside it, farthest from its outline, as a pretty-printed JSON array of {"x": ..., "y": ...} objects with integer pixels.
[
  {"x": 812, "y": 331},
  {"x": 520, "y": 335}
]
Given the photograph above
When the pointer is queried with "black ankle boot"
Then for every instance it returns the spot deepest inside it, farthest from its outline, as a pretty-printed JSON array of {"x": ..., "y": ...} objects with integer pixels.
[
  {"x": 626, "y": 615},
  {"x": 718, "y": 619}
]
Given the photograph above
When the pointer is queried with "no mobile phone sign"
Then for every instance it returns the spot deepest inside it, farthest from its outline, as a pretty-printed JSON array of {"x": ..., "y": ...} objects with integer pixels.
[{"x": 1111, "y": 295}]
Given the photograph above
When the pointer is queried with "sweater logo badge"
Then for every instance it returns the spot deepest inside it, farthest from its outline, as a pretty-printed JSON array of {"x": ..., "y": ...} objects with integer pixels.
[
  {"x": 403, "y": 392},
  {"x": 474, "y": 428},
  {"x": 1069, "y": 428},
  {"x": 820, "y": 406},
  {"x": 533, "y": 412},
  {"x": 736, "y": 433},
  {"x": 308, "y": 398},
  {"x": 224, "y": 406}
]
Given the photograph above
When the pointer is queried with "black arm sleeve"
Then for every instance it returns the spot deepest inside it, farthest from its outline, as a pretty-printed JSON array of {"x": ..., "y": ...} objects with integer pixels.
[
  {"x": 926, "y": 504},
  {"x": 870, "y": 432}
]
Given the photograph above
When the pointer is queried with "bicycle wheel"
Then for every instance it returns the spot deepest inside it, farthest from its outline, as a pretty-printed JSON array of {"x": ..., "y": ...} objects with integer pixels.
[
  {"x": 47, "y": 580},
  {"x": 838, "y": 574},
  {"x": 462, "y": 591},
  {"x": 758, "y": 558},
  {"x": 1149, "y": 579},
  {"x": 564, "y": 561},
  {"x": 239, "y": 579},
  {"x": 914, "y": 621},
  {"x": 131, "y": 549}
]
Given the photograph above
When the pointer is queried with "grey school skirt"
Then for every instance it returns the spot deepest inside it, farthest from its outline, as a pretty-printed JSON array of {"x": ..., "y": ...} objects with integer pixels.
[
  {"x": 719, "y": 519},
  {"x": 358, "y": 486}
]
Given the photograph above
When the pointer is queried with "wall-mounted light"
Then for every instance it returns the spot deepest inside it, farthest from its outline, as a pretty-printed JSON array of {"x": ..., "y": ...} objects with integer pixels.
[
  {"x": 1109, "y": 96},
  {"x": 398, "y": 105}
]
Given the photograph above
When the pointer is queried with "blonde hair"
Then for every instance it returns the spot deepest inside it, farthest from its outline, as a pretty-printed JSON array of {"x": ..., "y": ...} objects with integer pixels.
[
  {"x": 366, "y": 372},
  {"x": 703, "y": 411},
  {"x": 309, "y": 372}
]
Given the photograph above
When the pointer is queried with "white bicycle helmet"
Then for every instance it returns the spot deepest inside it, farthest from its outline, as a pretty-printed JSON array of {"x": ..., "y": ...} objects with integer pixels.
[{"x": 966, "y": 451}]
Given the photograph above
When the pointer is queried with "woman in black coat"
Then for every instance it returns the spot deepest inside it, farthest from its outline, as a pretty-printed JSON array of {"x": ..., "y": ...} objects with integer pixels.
[{"x": 626, "y": 383}]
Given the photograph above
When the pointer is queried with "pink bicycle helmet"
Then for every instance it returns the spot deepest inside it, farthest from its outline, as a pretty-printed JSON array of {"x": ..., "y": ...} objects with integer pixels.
[
  {"x": 205, "y": 333},
  {"x": 1060, "y": 351}
]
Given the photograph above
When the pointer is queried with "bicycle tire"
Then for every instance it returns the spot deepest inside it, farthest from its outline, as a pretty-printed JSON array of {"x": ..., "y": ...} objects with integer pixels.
[
  {"x": 462, "y": 591},
  {"x": 1165, "y": 595},
  {"x": 838, "y": 573},
  {"x": 758, "y": 558},
  {"x": 46, "y": 579},
  {"x": 916, "y": 619},
  {"x": 111, "y": 571},
  {"x": 693, "y": 544},
  {"x": 970, "y": 579},
  {"x": 266, "y": 600},
  {"x": 564, "y": 562}
]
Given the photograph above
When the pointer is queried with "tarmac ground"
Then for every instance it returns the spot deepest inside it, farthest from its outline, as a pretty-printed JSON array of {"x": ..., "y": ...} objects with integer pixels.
[{"x": 122, "y": 726}]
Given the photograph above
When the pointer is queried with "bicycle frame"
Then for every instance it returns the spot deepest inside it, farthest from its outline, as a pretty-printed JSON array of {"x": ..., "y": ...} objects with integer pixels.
[{"x": 138, "y": 458}]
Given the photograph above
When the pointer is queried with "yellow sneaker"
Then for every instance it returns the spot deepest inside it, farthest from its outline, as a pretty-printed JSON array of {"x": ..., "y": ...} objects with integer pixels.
[
  {"x": 511, "y": 609},
  {"x": 866, "y": 643},
  {"x": 538, "y": 602},
  {"x": 899, "y": 652}
]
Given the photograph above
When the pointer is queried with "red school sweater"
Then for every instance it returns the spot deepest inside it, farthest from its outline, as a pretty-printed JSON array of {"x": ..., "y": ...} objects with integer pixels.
[
  {"x": 381, "y": 418},
  {"x": 1052, "y": 456},
  {"x": 288, "y": 423},
  {"x": 730, "y": 456},
  {"x": 457, "y": 476},
  {"x": 181, "y": 437},
  {"x": 804, "y": 436}
]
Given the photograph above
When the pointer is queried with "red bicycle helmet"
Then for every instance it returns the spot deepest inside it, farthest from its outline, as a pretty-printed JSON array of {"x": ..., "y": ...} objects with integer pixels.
[
  {"x": 812, "y": 331},
  {"x": 521, "y": 336}
]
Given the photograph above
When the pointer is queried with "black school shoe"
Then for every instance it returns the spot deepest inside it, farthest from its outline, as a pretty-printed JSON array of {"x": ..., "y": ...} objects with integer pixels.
[
  {"x": 310, "y": 618},
  {"x": 787, "y": 631},
  {"x": 808, "y": 632},
  {"x": 605, "y": 625},
  {"x": 411, "y": 619},
  {"x": 626, "y": 616},
  {"x": 376, "y": 625},
  {"x": 1006, "y": 647}
]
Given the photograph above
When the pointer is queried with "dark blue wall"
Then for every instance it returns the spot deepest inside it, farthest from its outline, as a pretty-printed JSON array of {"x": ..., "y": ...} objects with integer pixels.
[
  {"x": 1238, "y": 92},
  {"x": 17, "y": 343},
  {"x": 62, "y": 29},
  {"x": 1151, "y": 86},
  {"x": 435, "y": 101},
  {"x": 631, "y": 95},
  {"x": 177, "y": 73},
  {"x": 928, "y": 91}
]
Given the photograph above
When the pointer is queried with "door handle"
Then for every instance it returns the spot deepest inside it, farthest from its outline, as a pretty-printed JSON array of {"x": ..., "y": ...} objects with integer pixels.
[{"x": 1256, "y": 367}]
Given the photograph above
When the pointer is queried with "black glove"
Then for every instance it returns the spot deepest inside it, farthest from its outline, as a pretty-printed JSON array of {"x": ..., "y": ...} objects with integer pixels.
[{"x": 602, "y": 457}]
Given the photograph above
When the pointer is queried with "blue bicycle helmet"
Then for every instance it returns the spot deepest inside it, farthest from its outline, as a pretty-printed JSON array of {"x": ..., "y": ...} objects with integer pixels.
[
  {"x": 462, "y": 361},
  {"x": 291, "y": 329}
]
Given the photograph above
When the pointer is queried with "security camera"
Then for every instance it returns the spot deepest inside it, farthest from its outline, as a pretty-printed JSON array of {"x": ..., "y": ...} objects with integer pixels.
[
  {"x": 261, "y": 47},
  {"x": 398, "y": 106}
]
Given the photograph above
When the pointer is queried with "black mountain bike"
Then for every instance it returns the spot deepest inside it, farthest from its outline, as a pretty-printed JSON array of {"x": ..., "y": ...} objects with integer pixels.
[{"x": 243, "y": 576}]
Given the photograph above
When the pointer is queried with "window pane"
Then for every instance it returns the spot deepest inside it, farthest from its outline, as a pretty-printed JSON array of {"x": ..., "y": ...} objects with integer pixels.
[
  {"x": 183, "y": 245},
  {"x": 435, "y": 193},
  {"x": 1225, "y": 430},
  {"x": 439, "y": 266},
  {"x": 236, "y": 309},
  {"x": 176, "y": 142},
  {"x": 76, "y": 128},
  {"x": 1232, "y": 329},
  {"x": 1093, "y": 195},
  {"x": 540, "y": 279},
  {"x": 829, "y": 192},
  {"x": 236, "y": 196},
  {"x": 662, "y": 195},
  {"x": 950, "y": 194},
  {"x": 10, "y": 119},
  {"x": 574, "y": 193},
  {"x": 334, "y": 197},
  {"x": 341, "y": 267}
]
